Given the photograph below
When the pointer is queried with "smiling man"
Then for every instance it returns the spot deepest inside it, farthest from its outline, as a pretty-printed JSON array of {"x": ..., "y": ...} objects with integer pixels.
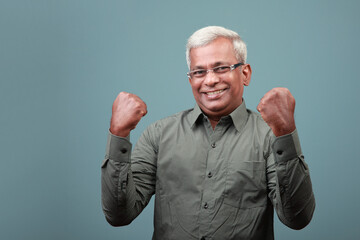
[
  {"x": 218, "y": 92},
  {"x": 218, "y": 170}
]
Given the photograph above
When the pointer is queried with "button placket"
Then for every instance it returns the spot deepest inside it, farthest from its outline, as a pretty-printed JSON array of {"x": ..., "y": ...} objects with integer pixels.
[{"x": 207, "y": 203}]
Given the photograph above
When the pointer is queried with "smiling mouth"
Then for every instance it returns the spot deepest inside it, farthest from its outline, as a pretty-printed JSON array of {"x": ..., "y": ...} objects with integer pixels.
[{"x": 215, "y": 92}]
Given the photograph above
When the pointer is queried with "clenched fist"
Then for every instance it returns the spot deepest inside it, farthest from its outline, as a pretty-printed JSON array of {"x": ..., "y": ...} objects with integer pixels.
[
  {"x": 277, "y": 109},
  {"x": 127, "y": 110}
]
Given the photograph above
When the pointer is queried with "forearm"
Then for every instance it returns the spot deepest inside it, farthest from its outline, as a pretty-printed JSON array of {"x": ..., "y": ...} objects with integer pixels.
[
  {"x": 292, "y": 192},
  {"x": 117, "y": 187},
  {"x": 128, "y": 178}
]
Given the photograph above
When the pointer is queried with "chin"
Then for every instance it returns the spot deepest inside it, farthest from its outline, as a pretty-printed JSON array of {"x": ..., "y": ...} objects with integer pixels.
[{"x": 215, "y": 109}]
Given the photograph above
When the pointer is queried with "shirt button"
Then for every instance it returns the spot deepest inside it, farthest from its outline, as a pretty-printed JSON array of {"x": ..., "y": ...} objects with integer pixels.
[
  {"x": 206, "y": 206},
  {"x": 213, "y": 145},
  {"x": 210, "y": 175},
  {"x": 123, "y": 150}
]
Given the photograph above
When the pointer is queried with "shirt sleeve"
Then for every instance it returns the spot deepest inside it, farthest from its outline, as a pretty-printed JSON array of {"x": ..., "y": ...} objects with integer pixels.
[
  {"x": 289, "y": 183},
  {"x": 127, "y": 178}
]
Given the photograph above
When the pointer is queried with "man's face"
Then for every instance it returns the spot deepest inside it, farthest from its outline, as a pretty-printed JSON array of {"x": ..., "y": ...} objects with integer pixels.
[{"x": 218, "y": 94}]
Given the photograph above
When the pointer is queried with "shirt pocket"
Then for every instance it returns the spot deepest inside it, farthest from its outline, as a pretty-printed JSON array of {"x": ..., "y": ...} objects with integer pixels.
[{"x": 246, "y": 184}]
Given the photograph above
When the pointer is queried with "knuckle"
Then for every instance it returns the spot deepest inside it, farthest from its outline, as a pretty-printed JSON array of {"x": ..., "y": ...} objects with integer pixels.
[
  {"x": 276, "y": 91},
  {"x": 123, "y": 95},
  {"x": 136, "y": 105}
]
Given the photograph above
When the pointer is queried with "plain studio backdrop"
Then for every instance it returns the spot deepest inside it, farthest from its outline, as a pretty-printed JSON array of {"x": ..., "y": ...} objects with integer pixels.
[{"x": 62, "y": 63}]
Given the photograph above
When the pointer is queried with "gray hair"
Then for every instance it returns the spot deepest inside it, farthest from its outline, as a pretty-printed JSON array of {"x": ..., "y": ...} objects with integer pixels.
[{"x": 206, "y": 35}]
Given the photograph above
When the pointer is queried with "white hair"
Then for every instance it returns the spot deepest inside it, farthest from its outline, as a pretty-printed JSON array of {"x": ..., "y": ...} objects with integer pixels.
[{"x": 208, "y": 34}]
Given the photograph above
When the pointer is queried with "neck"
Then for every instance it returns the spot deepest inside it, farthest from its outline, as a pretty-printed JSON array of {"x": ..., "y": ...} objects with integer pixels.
[
  {"x": 215, "y": 118},
  {"x": 213, "y": 122}
]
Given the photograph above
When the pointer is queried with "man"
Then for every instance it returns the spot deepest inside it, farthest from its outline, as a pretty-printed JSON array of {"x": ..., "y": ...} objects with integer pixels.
[{"x": 217, "y": 170}]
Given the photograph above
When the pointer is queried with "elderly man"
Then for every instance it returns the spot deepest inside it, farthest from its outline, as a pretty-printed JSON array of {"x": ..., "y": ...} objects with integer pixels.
[{"x": 217, "y": 170}]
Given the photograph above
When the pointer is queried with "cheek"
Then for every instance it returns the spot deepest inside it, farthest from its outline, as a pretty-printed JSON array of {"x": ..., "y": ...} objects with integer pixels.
[
  {"x": 237, "y": 90},
  {"x": 195, "y": 91},
  {"x": 195, "y": 87},
  {"x": 240, "y": 89}
]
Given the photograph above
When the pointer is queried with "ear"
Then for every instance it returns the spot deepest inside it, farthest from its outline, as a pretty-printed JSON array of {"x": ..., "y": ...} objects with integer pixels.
[{"x": 246, "y": 71}]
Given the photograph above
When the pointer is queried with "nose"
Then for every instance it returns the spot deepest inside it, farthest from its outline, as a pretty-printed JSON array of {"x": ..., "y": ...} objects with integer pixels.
[{"x": 211, "y": 78}]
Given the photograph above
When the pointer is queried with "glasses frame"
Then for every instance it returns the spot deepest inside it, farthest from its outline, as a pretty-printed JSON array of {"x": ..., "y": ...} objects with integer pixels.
[{"x": 232, "y": 67}]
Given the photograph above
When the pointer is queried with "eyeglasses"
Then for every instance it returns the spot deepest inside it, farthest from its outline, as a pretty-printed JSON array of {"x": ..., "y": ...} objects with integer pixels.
[{"x": 201, "y": 73}]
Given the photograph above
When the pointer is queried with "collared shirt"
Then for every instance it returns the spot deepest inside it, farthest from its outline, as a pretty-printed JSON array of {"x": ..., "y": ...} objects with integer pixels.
[{"x": 217, "y": 184}]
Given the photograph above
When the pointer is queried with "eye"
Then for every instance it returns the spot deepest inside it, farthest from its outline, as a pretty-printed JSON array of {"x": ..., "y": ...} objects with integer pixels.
[
  {"x": 221, "y": 69},
  {"x": 199, "y": 73}
]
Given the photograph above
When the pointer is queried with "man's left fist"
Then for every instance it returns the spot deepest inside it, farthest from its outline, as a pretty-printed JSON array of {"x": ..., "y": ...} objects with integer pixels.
[{"x": 277, "y": 109}]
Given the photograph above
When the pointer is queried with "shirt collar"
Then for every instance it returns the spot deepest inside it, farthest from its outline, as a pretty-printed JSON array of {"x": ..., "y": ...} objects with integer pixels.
[
  {"x": 195, "y": 115},
  {"x": 239, "y": 116}
]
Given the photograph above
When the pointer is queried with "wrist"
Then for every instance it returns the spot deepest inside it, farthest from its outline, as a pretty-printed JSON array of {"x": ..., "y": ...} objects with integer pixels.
[
  {"x": 283, "y": 130},
  {"x": 119, "y": 132}
]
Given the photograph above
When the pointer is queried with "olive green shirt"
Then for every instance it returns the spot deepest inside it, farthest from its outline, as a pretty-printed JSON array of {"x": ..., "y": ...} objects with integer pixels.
[{"x": 208, "y": 184}]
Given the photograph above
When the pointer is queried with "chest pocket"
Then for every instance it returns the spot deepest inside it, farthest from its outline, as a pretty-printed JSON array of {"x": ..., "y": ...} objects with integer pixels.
[{"x": 246, "y": 184}]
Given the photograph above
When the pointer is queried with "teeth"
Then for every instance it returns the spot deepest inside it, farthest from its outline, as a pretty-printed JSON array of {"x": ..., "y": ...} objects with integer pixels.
[{"x": 216, "y": 92}]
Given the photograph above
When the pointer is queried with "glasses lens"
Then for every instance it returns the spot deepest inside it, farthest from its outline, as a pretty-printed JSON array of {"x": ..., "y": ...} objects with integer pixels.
[
  {"x": 198, "y": 73},
  {"x": 222, "y": 69}
]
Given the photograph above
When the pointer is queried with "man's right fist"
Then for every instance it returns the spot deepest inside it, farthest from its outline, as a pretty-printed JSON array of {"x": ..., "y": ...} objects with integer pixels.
[{"x": 127, "y": 110}]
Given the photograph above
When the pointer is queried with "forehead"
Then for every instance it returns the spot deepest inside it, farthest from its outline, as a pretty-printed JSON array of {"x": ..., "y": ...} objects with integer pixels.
[{"x": 219, "y": 50}]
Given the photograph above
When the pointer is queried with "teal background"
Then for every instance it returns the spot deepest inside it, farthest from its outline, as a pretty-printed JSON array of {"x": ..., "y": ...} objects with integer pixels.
[{"x": 62, "y": 63}]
